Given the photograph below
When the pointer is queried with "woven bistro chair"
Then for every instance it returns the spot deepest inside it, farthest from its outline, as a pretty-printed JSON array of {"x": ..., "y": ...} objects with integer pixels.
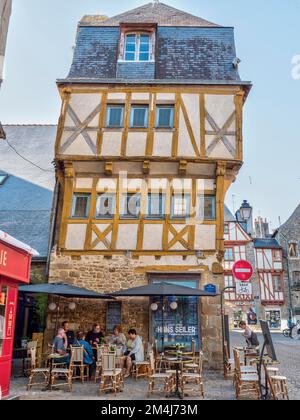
[
  {"x": 66, "y": 373},
  {"x": 165, "y": 379},
  {"x": 141, "y": 369},
  {"x": 43, "y": 373},
  {"x": 100, "y": 350},
  {"x": 247, "y": 382},
  {"x": 193, "y": 381},
  {"x": 79, "y": 364},
  {"x": 111, "y": 377}
]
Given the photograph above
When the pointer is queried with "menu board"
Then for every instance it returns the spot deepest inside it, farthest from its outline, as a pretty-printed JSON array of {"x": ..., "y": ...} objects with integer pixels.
[{"x": 113, "y": 315}]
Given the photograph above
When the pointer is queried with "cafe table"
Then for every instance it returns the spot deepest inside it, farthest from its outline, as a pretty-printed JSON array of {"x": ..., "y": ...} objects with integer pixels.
[
  {"x": 51, "y": 358},
  {"x": 178, "y": 362}
]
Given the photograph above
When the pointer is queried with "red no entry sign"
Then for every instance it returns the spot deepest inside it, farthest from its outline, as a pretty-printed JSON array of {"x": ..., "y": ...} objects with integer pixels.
[{"x": 242, "y": 270}]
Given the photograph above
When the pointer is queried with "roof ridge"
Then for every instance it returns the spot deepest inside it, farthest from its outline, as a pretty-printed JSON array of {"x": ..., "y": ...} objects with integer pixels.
[
  {"x": 160, "y": 13},
  {"x": 29, "y": 125}
]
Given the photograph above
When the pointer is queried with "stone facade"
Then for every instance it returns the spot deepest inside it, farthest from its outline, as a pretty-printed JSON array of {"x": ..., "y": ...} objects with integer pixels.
[{"x": 107, "y": 275}]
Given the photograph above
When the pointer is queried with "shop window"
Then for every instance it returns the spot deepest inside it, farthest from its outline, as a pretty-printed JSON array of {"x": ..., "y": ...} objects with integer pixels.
[
  {"x": 181, "y": 205},
  {"x": 165, "y": 116},
  {"x": 139, "y": 116},
  {"x": 115, "y": 116},
  {"x": 156, "y": 206},
  {"x": 131, "y": 206},
  {"x": 293, "y": 250},
  {"x": 3, "y": 178},
  {"x": 81, "y": 205},
  {"x": 207, "y": 207},
  {"x": 137, "y": 47},
  {"x": 229, "y": 254},
  {"x": 105, "y": 206},
  {"x": 277, "y": 283},
  {"x": 3, "y": 299}
]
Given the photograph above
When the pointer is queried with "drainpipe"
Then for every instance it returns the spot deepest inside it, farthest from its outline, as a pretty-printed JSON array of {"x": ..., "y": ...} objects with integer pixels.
[
  {"x": 291, "y": 309},
  {"x": 53, "y": 218}
]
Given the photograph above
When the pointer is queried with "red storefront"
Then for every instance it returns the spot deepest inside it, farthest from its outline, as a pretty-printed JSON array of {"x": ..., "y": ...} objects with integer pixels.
[{"x": 15, "y": 261}]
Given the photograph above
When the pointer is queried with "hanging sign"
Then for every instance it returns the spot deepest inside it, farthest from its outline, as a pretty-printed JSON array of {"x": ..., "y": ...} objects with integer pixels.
[{"x": 242, "y": 270}]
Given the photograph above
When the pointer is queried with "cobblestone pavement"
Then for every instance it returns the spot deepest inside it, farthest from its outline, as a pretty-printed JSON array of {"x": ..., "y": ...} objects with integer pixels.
[
  {"x": 216, "y": 388},
  {"x": 288, "y": 353}
]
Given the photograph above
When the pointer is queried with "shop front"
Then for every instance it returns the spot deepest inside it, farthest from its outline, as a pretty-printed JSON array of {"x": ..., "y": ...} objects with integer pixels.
[
  {"x": 177, "y": 319},
  {"x": 15, "y": 261},
  {"x": 273, "y": 317}
]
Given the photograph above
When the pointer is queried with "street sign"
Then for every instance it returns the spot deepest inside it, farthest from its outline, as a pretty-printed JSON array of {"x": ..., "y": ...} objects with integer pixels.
[
  {"x": 243, "y": 288},
  {"x": 210, "y": 288},
  {"x": 242, "y": 270}
]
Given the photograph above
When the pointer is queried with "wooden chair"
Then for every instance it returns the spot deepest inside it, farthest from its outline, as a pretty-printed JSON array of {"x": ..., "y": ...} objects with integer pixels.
[
  {"x": 194, "y": 365},
  {"x": 79, "y": 364},
  {"x": 141, "y": 369},
  {"x": 66, "y": 373},
  {"x": 27, "y": 360},
  {"x": 279, "y": 387},
  {"x": 156, "y": 377},
  {"x": 246, "y": 384},
  {"x": 192, "y": 381},
  {"x": 37, "y": 372},
  {"x": 111, "y": 377},
  {"x": 100, "y": 350}
]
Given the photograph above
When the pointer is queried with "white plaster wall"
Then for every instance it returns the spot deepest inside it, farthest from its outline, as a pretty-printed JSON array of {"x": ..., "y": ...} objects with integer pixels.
[
  {"x": 205, "y": 238},
  {"x": 140, "y": 96},
  {"x": 84, "y": 183},
  {"x": 116, "y": 96},
  {"x": 79, "y": 145},
  {"x": 136, "y": 144},
  {"x": 162, "y": 144},
  {"x": 127, "y": 236},
  {"x": 153, "y": 237},
  {"x": 192, "y": 104},
  {"x": 165, "y": 96},
  {"x": 185, "y": 147},
  {"x": 100, "y": 245},
  {"x": 111, "y": 143},
  {"x": 75, "y": 236},
  {"x": 84, "y": 104}
]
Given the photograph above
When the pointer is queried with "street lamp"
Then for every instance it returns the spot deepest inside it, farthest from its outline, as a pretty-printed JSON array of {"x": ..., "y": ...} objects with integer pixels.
[{"x": 245, "y": 210}]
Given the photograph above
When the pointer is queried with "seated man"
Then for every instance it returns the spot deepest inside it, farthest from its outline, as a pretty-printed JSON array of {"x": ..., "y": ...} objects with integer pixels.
[
  {"x": 69, "y": 334},
  {"x": 136, "y": 354},
  {"x": 59, "y": 344},
  {"x": 88, "y": 355}
]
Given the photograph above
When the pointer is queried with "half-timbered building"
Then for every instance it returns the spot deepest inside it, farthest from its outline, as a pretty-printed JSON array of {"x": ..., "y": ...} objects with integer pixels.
[{"x": 149, "y": 140}]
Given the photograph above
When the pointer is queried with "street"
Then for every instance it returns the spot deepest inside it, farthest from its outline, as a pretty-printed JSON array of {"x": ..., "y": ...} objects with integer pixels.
[{"x": 288, "y": 354}]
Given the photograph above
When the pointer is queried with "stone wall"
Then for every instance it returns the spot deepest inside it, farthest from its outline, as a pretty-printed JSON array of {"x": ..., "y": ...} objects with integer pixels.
[{"x": 105, "y": 275}]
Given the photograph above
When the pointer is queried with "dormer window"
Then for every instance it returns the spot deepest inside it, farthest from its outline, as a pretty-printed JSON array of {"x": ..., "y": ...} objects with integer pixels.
[{"x": 137, "y": 47}]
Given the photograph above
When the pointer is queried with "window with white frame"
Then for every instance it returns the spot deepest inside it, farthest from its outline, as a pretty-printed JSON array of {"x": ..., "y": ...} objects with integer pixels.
[
  {"x": 81, "y": 205},
  {"x": 293, "y": 250},
  {"x": 181, "y": 206},
  {"x": 105, "y": 206},
  {"x": 137, "y": 47},
  {"x": 165, "y": 116},
  {"x": 114, "y": 116},
  {"x": 130, "y": 206},
  {"x": 139, "y": 116},
  {"x": 277, "y": 282},
  {"x": 229, "y": 254},
  {"x": 277, "y": 255},
  {"x": 207, "y": 207}
]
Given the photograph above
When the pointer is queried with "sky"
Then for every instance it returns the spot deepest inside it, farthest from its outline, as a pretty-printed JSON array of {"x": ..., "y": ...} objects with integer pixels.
[{"x": 40, "y": 47}]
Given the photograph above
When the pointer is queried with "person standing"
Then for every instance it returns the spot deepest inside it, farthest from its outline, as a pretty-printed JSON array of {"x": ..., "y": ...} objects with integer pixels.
[{"x": 250, "y": 336}]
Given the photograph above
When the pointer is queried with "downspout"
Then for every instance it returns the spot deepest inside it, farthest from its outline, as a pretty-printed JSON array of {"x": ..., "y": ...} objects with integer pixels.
[
  {"x": 53, "y": 218},
  {"x": 291, "y": 309}
]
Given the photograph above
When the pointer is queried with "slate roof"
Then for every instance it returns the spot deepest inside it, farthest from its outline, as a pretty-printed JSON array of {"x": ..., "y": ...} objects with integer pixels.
[
  {"x": 266, "y": 243},
  {"x": 228, "y": 216},
  {"x": 26, "y": 195},
  {"x": 153, "y": 12},
  {"x": 188, "y": 48}
]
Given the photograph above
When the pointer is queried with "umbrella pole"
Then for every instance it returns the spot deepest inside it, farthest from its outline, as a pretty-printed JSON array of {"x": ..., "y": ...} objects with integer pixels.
[
  {"x": 163, "y": 325},
  {"x": 57, "y": 316}
]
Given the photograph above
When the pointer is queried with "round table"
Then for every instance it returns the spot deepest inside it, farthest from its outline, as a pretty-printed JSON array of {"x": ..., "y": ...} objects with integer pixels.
[{"x": 178, "y": 361}]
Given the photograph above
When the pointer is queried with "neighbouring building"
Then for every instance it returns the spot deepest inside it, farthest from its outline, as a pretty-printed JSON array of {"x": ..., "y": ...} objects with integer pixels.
[
  {"x": 288, "y": 235},
  {"x": 26, "y": 192},
  {"x": 269, "y": 294},
  {"x": 149, "y": 141},
  {"x": 5, "y": 12}
]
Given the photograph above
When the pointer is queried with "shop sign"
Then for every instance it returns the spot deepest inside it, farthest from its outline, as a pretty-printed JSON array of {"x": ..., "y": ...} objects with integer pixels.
[
  {"x": 177, "y": 329},
  {"x": 14, "y": 264}
]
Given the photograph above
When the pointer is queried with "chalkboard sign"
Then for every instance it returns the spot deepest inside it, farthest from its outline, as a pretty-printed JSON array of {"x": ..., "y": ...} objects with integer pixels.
[{"x": 113, "y": 315}]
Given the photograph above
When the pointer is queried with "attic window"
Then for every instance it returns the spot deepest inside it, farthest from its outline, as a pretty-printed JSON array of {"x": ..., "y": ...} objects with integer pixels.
[
  {"x": 3, "y": 178},
  {"x": 137, "y": 43}
]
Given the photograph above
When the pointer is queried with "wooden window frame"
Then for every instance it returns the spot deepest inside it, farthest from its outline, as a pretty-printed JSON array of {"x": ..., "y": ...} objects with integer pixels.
[
  {"x": 204, "y": 197},
  {"x": 108, "y": 109},
  {"x": 188, "y": 214},
  {"x": 114, "y": 206},
  {"x": 74, "y": 198},
  {"x": 146, "y": 119},
  {"x": 161, "y": 216},
  {"x": 172, "y": 116},
  {"x": 126, "y": 216},
  {"x": 137, "y": 52}
]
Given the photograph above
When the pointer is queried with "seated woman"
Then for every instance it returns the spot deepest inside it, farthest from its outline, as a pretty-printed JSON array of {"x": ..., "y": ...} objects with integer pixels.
[
  {"x": 59, "y": 347},
  {"x": 88, "y": 355},
  {"x": 118, "y": 338},
  {"x": 136, "y": 354}
]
